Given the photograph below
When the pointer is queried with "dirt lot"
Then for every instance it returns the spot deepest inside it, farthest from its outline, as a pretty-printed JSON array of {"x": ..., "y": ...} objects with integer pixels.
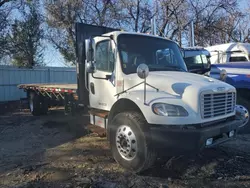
[{"x": 57, "y": 151}]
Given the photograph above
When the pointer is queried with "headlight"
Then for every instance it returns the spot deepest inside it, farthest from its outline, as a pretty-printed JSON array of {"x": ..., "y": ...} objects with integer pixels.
[{"x": 164, "y": 109}]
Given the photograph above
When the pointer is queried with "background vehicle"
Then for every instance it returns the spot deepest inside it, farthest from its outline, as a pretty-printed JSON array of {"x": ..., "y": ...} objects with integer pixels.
[
  {"x": 145, "y": 99},
  {"x": 237, "y": 74},
  {"x": 197, "y": 60},
  {"x": 229, "y": 52}
]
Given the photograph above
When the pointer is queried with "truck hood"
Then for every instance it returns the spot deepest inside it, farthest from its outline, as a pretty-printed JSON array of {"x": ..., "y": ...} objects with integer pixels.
[
  {"x": 184, "y": 85},
  {"x": 238, "y": 73}
]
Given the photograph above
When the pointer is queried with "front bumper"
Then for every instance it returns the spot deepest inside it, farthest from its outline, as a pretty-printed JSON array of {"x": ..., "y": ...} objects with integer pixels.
[{"x": 179, "y": 140}]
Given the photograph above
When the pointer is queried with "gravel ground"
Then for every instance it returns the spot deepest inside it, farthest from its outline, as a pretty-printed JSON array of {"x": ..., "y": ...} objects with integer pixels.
[{"x": 57, "y": 151}]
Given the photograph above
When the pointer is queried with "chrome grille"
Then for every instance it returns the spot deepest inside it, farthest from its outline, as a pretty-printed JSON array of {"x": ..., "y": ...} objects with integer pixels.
[{"x": 217, "y": 104}]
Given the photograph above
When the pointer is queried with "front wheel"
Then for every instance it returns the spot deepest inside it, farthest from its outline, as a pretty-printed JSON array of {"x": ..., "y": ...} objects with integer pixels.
[
  {"x": 243, "y": 109},
  {"x": 130, "y": 142}
]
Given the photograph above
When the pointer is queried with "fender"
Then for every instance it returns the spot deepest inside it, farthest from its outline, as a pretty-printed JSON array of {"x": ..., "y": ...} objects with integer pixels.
[{"x": 134, "y": 101}]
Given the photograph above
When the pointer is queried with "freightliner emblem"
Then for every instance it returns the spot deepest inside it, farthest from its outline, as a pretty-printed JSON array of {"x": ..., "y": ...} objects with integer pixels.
[{"x": 219, "y": 89}]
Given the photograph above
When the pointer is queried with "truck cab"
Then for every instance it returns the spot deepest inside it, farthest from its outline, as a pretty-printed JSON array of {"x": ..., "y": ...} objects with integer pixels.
[
  {"x": 116, "y": 64},
  {"x": 229, "y": 52},
  {"x": 141, "y": 92},
  {"x": 197, "y": 59}
]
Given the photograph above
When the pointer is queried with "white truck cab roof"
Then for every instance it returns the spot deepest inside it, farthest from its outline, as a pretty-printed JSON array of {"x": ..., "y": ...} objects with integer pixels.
[
  {"x": 231, "y": 47},
  {"x": 194, "y": 51},
  {"x": 229, "y": 52},
  {"x": 116, "y": 33}
]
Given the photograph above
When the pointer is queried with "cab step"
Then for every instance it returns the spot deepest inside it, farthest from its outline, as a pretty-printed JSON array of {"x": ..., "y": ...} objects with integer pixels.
[{"x": 99, "y": 118}]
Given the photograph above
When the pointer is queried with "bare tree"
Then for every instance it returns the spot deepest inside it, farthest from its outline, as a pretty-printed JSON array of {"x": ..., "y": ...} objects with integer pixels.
[
  {"x": 6, "y": 8},
  {"x": 3, "y": 33},
  {"x": 3, "y": 2},
  {"x": 135, "y": 15},
  {"x": 215, "y": 20},
  {"x": 25, "y": 39},
  {"x": 61, "y": 16},
  {"x": 242, "y": 30},
  {"x": 172, "y": 18},
  {"x": 99, "y": 12}
]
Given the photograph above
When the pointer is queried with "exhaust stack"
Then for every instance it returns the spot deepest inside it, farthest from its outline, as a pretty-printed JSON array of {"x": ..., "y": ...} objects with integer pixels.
[
  {"x": 153, "y": 26},
  {"x": 192, "y": 43}
]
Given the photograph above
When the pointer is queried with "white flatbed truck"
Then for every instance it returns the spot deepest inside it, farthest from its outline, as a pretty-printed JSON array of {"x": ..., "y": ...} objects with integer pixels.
[{"x": 138, "y": 89}]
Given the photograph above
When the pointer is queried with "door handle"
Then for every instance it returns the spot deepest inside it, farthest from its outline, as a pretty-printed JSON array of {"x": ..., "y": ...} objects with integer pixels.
[{"x": 92, "y": 88}]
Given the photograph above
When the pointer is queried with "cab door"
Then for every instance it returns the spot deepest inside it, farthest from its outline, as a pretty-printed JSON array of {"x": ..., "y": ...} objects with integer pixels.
[{"x": 102, "y": 83}]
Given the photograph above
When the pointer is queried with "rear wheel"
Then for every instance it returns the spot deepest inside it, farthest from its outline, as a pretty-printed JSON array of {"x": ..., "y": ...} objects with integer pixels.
[
  {"x": 38, "y": 104},
  {"x": 130, "y": 142},
  {"x": 44, "y": 105}
]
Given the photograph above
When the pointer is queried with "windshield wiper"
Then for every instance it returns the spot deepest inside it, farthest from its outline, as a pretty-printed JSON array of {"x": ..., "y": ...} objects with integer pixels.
[
  {"x": 176, "y": 68},
  {"x": 162, "y": 68}
]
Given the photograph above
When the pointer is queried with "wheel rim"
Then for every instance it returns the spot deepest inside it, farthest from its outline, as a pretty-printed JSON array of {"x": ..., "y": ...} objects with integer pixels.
[
  {"x": 244, "y": 115},
  {"x": 126, "y": 142}
]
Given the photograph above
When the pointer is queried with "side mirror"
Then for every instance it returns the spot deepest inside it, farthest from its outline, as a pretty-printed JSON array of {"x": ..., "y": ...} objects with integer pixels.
[
  {"x": 142, "y": 71},
  {"x": 90, "y": 67},
  {"x": 89, "y": 50},
  {"x": 223, "y": 75}
]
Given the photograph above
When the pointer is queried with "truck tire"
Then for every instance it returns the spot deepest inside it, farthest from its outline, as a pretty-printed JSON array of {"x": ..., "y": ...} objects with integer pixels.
[
  {"x": 244, "y": 101},
  {"x": 38, "y": 105},
  {"x": 44, "y": 105},
  {"x": 130, "y": 142}
]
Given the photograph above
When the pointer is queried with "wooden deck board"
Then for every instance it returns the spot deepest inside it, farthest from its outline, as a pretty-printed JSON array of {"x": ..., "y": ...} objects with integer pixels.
[{"x": 58, "y": 86}]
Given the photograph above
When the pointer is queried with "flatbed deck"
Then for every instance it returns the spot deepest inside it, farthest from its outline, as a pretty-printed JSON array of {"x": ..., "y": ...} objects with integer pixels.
[{"x": 50, "y": 87}]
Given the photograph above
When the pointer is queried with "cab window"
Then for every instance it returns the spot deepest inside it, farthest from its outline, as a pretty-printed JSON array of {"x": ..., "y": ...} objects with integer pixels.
[
  {"x": 237, "y": 58},
  {"x": 102, "y": 54}
]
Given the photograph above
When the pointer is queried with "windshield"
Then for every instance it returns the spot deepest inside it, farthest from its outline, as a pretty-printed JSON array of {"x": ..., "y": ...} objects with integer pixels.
[
  {"x": 197, "y": 62},
  {"x": 158, "y": 54},
  {"x": 237, "y": 58}
]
